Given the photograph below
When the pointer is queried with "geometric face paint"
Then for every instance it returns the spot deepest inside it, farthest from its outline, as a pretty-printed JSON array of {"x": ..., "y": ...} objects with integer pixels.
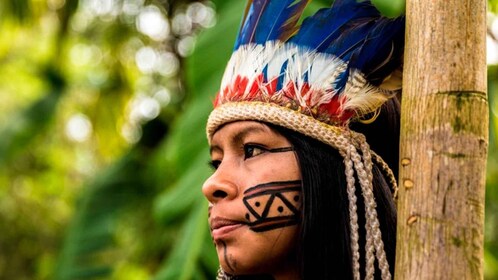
[{"x": 273, "y": 205}]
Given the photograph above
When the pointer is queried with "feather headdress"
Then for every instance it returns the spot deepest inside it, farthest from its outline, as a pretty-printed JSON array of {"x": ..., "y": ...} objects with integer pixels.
[{"x": 340, "y": 65}]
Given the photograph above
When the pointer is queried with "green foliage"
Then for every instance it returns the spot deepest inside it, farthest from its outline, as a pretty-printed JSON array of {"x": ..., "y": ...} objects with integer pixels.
[
  {"x": 185, "y": 194},
  {"x": 114, "y": 191},
  {"x": 184, "y": 259},
  {"x": 26, "y": 126},
  {"x": 17, "y": 10},
  {"x": 493, "y": 6},
  {"x": 390, "y": 8}
]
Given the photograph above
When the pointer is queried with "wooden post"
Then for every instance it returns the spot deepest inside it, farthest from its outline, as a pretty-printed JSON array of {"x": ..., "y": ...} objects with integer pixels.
[{"x": 444, "y": 138}]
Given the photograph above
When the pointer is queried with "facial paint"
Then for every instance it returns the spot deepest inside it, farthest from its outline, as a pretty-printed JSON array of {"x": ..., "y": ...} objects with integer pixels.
[
  {"x": 273, "y": 205},
  {"x": 281, "y": 150},
  {"x": 225, "y": 255}
]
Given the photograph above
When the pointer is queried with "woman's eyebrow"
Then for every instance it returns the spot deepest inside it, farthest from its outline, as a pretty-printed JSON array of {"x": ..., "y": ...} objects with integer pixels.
[{"x": 239, "y": 136}]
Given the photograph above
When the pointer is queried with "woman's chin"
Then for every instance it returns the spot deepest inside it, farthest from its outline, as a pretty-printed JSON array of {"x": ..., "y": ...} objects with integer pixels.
[{"x": 234, "y": 264}]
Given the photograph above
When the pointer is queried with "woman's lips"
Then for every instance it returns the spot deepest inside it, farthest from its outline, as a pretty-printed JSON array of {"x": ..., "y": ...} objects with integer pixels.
[{"x": 221, "y": 227}]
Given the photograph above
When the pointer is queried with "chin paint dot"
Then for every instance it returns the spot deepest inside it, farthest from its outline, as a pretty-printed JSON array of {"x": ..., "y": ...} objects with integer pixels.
[
  {"x": 296, "y": 198},
  {"x": 247, "y": 216},
  {"x": 257, "y": 204},
  {"x": 280, "y": 209}
]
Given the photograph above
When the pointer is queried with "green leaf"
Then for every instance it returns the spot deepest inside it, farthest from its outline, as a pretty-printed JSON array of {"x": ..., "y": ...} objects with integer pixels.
[
  {"x": 209, "y": 258},
  {"x": 390, "y": 8},
  {"x": 186, "y": 141},
  {"x": 93, "y": 227},
  {"x": 175, "y": 202},
  {"x": 183, "y": 260}
]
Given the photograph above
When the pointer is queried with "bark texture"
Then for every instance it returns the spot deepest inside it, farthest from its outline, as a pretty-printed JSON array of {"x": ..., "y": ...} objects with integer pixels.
[{"x": 444, "y": 139}]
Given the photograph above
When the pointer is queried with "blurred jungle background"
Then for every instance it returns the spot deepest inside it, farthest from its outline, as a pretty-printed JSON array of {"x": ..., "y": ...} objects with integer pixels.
[{"x": 102, "y": 147}]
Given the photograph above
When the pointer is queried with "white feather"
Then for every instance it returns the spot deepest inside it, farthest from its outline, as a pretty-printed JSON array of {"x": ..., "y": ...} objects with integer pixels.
[
  {"x": 322, "y": 71},
  {"x": 280, "y": 55},
  {"x": 362, "y": 97}
]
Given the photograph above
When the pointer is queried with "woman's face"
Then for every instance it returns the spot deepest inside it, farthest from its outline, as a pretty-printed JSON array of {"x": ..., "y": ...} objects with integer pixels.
[{"x": 255, "y": 199}]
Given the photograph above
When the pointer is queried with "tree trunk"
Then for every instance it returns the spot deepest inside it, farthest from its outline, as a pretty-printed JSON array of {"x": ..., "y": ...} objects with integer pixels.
[{"x": 444, "y": 139}]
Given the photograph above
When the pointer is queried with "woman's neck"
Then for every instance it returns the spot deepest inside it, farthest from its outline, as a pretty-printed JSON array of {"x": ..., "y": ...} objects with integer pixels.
[{"x": 288, "y": 273}]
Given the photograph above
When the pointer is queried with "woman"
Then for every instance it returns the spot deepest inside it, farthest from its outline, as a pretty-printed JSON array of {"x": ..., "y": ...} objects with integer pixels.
[{"x": 297, "y": 192}]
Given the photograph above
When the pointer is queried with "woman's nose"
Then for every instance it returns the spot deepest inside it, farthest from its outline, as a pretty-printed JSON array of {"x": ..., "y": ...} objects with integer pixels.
[{"x": 221, "y": 185}]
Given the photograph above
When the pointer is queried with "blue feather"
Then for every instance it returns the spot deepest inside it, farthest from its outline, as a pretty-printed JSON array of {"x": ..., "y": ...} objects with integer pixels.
[
  {"x": 320, "y": 30},
  {"x": 267, "y": 20},
  {"x": 373, "y": 55},
  {"x": 250, "y": 22},
  {"x": 279, "y": 19},
  {"x": 350, "y": 39},
  {"x": 375, "y": 58}
]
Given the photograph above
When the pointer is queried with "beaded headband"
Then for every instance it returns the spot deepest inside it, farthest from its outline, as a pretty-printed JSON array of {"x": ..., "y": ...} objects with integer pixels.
[{"x": 339, "y": 66}]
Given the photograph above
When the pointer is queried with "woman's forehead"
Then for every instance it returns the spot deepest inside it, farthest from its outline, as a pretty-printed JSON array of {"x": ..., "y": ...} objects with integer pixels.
[
  {"x": 235, "y": 133},
  {"x": 240, "y": 129}
]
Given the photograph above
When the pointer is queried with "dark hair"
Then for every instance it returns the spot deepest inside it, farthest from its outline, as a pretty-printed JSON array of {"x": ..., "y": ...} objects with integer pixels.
[{"x": 324, "y": 249}]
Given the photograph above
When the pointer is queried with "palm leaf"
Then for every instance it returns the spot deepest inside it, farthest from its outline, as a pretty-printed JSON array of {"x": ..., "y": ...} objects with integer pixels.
[
  {"x": 183, "y": 260},
  {"x": 92, "y": 229}
]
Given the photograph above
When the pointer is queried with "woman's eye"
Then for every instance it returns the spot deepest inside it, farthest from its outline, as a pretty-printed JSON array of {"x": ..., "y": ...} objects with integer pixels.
[
  {"x": 252, "y": 151},
  {"x": 214, "y": 164}
]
